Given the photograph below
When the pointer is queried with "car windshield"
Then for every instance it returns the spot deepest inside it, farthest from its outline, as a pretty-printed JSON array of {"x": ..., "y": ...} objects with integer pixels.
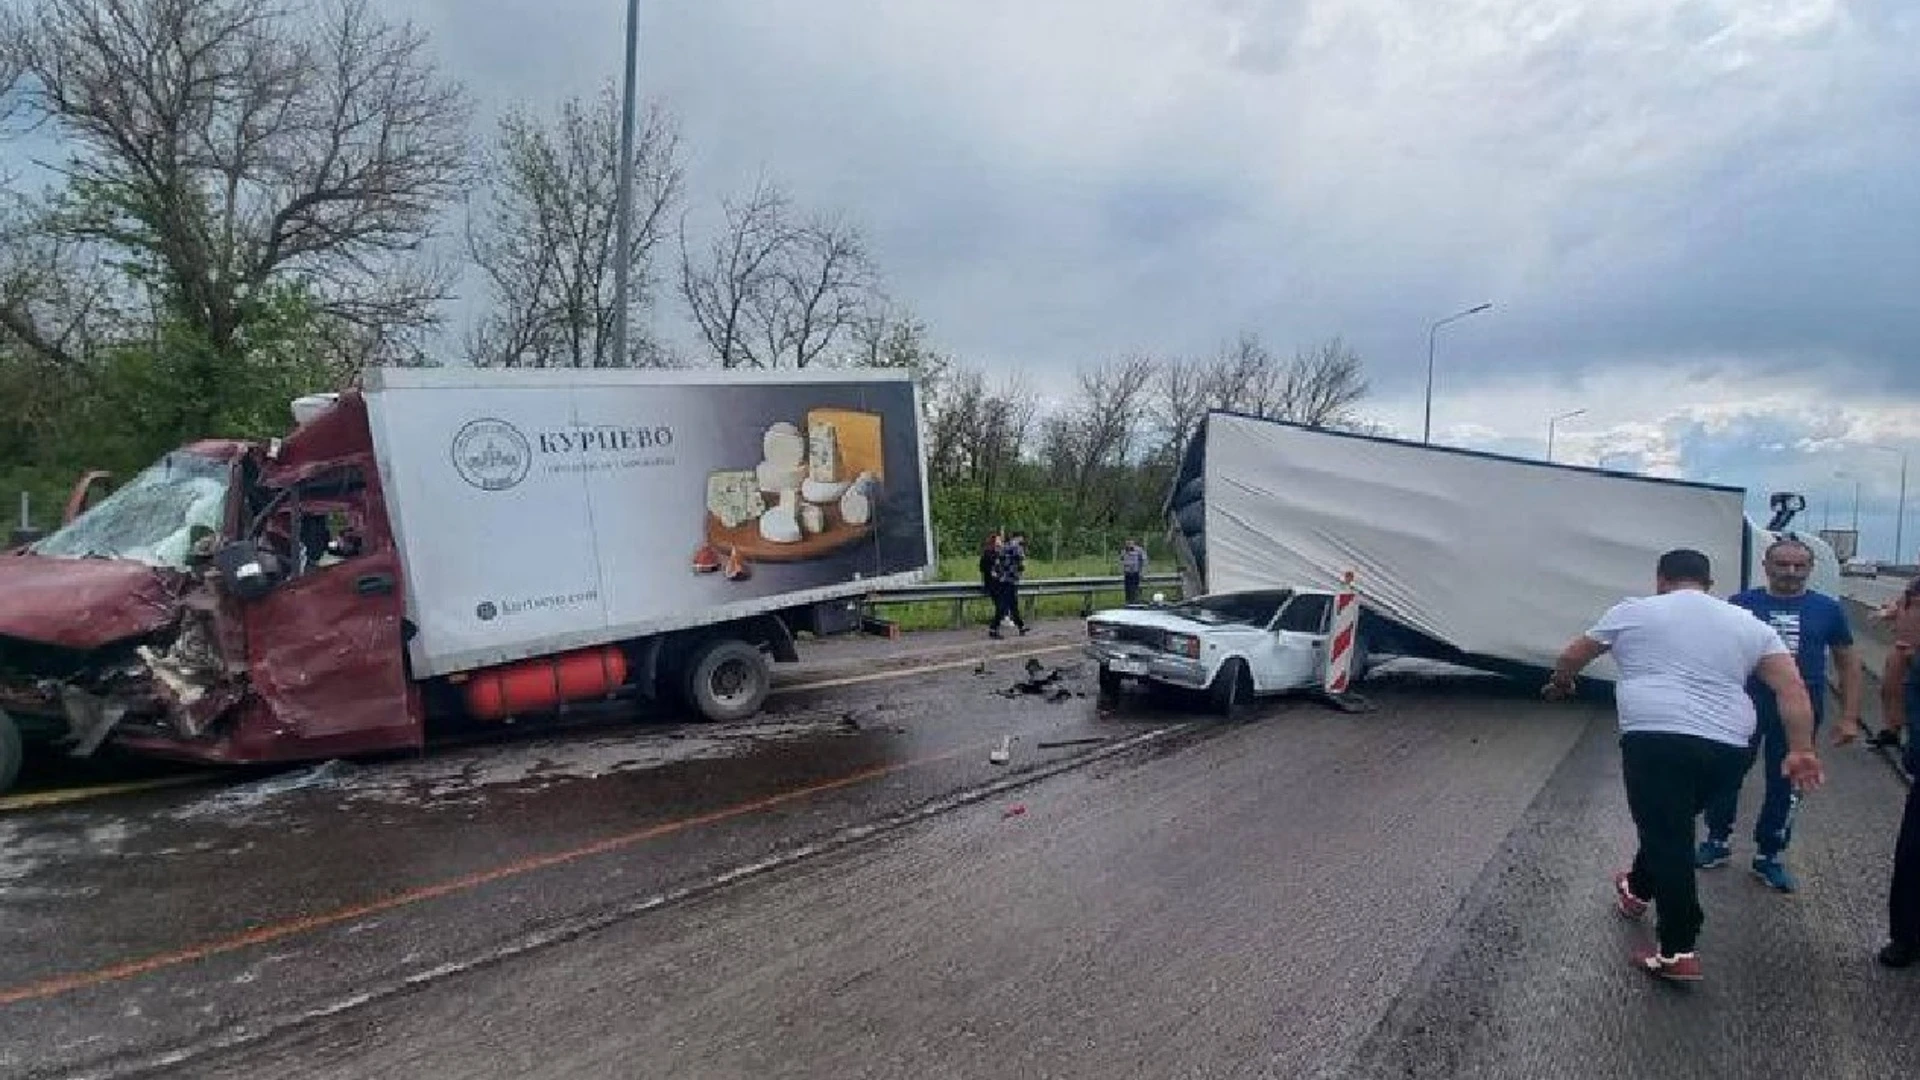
[
  {"x": 151, "y": 519},
  {"x": 1251, "y": 609}
]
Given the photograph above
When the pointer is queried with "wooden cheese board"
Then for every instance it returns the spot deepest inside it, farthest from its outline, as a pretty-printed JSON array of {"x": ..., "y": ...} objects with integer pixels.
[{"x": 753, "y": 547}]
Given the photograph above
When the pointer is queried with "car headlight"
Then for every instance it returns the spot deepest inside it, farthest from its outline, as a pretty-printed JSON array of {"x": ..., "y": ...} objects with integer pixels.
[
  {"x": 1184, "y": 645},
  {"x": 1100, "y": 631}
]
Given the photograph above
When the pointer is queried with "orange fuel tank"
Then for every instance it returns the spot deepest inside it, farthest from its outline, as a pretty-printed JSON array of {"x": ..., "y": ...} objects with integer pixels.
[{"x": 536, "y": 686}]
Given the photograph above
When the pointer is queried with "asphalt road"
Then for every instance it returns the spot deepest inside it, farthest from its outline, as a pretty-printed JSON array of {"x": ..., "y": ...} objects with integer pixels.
[{"x": 1416, "y": 891}]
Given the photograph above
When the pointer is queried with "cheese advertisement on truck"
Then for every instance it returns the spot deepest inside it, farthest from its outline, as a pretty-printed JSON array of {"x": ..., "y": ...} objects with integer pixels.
[{"x": 535, "y": 513}]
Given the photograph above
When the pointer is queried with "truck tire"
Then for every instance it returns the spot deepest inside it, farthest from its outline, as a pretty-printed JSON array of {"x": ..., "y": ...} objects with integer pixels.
[
  {"x": 1109, "y": 684},
  {"x": 727, "y": 680},
  {"x": 11, "y": 753},
  {"x": 1232, "y": 690}
]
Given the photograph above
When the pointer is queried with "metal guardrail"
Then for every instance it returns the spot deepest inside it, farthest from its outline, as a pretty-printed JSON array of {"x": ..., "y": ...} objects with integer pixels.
[{"x": 959, "y": 592}]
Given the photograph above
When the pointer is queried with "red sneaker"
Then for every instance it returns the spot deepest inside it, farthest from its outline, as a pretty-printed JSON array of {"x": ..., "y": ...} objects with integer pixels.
[
  {"x": 1681, "y": 967},
  {"x": 1630, "y": 905}
]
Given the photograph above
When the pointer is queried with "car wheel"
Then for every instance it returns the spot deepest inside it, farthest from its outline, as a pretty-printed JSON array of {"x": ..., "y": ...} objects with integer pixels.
[{"x": 1232, "y": 689}]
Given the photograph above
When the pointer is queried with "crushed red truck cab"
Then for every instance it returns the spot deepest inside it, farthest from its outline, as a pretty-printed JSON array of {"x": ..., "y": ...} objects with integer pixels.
[{"x": 259, "y": 602}]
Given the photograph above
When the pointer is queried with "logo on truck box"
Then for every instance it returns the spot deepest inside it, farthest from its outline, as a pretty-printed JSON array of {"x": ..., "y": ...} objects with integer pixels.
[{"x": 491, "y": 454}]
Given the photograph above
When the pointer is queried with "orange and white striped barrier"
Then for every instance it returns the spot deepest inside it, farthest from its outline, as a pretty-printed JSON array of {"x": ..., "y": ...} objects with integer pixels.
[{"x": 1346, "y": 629}]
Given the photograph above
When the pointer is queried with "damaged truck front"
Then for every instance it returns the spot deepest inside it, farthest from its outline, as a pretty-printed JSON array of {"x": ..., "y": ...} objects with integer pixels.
[{"x": 124, "y": 626}]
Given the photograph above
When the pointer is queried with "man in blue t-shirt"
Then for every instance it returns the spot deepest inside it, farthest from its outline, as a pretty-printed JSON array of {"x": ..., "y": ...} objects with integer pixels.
[{"x": 1814, "y": 626}]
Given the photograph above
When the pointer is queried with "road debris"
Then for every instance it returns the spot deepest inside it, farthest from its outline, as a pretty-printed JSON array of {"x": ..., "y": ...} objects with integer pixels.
[
  {"x": 1044, "y": 681},
  {"x": 1002, "y": 753}
]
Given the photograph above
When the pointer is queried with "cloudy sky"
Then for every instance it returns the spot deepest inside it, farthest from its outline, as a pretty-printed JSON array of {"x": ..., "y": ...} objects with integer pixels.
[{"x": 1699, "y": 220}]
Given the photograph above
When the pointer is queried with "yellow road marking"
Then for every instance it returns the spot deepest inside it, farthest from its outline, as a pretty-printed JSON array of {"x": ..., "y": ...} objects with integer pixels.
[{"x": 34, "y": 799}]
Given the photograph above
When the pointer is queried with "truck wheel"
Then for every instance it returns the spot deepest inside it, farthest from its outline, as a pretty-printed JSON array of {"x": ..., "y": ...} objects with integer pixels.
[
  {"x": 1109, "y": 683},
  {"x": 728, "y": 680},
  {"x": 1232, "y": 689},
  {"x": 11, "y": 753}
]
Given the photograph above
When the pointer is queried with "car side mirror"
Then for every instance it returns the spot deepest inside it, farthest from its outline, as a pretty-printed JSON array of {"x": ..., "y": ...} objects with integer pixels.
[{"x": 246, "y": 570}]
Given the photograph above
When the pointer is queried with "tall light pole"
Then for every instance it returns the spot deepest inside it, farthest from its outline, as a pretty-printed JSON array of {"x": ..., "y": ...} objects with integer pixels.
[
  {"x": 1555, "y": 420},
  {"x": 1900, "y": 515},
  {"x": 623, "y": 212},
  {"x": 1426, "y": 431},
  {"x": 1844, "y": 475}
]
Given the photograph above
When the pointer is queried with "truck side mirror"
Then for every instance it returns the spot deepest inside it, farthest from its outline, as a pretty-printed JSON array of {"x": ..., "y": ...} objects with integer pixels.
[{"x": 246, "y": 570}]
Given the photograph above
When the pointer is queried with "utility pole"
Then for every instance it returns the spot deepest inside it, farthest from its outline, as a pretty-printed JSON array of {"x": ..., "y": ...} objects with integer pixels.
[{"x": 623, "y": 214}]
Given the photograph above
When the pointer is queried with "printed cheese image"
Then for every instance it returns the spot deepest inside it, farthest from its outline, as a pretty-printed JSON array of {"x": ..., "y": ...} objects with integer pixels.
[
  {"x": 733, "y": 496},
  {"x": 857, "y": 441},
  {"x": 813, "y": 491}
]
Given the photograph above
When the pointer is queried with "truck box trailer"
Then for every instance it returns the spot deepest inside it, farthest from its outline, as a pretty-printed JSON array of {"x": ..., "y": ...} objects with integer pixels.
[
  {"x": 1477, "y": 559},
  {"x": 466, "y": 545}
]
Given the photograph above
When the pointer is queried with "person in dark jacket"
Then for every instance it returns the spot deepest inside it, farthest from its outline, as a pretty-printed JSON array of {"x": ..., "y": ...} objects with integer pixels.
[
  {"x": 1133, "y": 563},
  {"x": 1009, "y": 566},
  {"x": 989, "y": 584}
]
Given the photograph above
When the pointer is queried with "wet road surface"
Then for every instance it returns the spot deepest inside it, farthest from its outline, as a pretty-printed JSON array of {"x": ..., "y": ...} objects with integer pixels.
[{"x": 1416, "y": 891}]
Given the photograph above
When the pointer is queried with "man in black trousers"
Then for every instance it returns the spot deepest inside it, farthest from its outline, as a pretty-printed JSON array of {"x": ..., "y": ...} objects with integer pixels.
[
  {"x": 1685, "y": 724},
  {"x": 1903, "y": 898}
]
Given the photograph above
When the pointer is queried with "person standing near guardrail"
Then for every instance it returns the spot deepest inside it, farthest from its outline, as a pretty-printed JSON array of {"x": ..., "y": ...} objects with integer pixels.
[
  {"x": 1813, "y": 625},
  {"x": 1133, "y": 565},
  {"x": 1686, "y": 722},
  {"x": 1009, "y": 565}
]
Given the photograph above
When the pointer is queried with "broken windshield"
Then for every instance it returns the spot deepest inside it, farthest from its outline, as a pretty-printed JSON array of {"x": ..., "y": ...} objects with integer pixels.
[
  {"x": 152, "y": 518},
  {"x": 1250, "y": 609}
]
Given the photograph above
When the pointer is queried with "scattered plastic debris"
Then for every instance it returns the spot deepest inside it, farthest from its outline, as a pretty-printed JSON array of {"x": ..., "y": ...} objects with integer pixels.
[
  {"x": 1044, "y": 681},
  {"x": 1014, "y": 811},
  {"x": 1002, "y": 753}
]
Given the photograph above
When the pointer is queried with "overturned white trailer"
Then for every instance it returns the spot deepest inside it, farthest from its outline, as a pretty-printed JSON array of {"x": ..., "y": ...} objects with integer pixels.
[{"x": 1479, "y": 559}]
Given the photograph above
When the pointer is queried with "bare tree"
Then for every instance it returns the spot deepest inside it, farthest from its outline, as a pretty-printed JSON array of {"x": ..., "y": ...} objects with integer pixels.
[
  {"x": 975, "y": 431},
  {"x": 1322, "y": 385},
  {"x": 724, "y": 290},
  {"x": 231, "y": 150},
  {"x": 887, "y": 335},
  {"x": 546, "y": 235},
  {"x": 770, "y": 292},
  {"x": 1099, "y": 431}
]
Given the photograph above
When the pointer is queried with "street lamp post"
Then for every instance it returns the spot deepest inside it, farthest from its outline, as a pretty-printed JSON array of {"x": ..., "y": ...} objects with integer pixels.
[
  {"x": 623, "y": 206},
  {"x": 1900, "y": 515},
  {"x": 1844, "y": 475},
  {"x": 1426, "y": 431},
  {"x": 1551, "y": 421}
]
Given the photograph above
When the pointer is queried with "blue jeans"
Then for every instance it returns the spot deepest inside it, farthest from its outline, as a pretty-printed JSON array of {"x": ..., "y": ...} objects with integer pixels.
[{"x": 1774, "y": 828}]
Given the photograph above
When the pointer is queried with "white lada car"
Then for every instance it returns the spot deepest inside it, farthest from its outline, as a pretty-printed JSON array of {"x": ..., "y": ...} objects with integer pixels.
[{"x": 1233, "y": 647}]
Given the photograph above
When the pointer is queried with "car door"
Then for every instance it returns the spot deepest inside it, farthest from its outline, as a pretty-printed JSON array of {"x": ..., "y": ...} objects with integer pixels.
[
  {"x": 326, "y": 646},
  {"x": 1298, "y": 654}
]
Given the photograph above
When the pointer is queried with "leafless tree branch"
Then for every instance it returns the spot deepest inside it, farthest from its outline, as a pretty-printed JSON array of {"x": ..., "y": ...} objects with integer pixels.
[
  {"x": 547, "y": 239},
  {"x": 227, "y": 145}
]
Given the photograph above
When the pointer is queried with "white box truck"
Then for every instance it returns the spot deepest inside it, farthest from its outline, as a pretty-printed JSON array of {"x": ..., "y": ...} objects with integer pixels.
[
  {"x": 466, "y": 545},
  {"x": 1476, "y": 559}
]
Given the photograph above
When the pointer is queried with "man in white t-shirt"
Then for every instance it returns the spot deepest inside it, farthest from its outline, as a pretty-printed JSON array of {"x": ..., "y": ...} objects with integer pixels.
[{"x": 1685, "y": 724}]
